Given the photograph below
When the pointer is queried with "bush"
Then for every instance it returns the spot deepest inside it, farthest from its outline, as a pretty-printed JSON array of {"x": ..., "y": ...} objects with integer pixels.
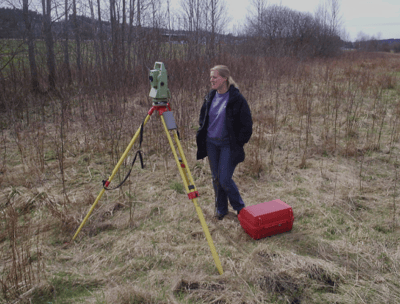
[{"x": 396, "y": 48}]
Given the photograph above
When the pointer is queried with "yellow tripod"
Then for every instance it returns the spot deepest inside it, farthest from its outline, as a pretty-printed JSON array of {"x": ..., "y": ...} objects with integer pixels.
[{"x": 168, "y": 123}]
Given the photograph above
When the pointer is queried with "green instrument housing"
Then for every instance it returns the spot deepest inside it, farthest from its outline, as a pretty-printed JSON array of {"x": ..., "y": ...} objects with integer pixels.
[{"x": 159, "y": 84}]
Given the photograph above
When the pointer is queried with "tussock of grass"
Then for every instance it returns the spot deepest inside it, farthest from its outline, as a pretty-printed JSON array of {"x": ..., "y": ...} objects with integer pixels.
[{"x": 291, "y": 274}]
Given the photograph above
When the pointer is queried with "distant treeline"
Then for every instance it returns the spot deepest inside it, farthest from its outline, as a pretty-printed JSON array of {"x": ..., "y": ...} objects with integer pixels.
[
  {"x": 375, "y": 45},
  {"x": 389, "y": 41},
  {"x": 114, "y": 47},
  {"x": 12, "y": 25}
]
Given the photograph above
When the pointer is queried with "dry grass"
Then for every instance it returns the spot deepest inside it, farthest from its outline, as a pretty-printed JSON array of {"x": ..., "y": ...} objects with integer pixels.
[{"x": 335, "y": 163}]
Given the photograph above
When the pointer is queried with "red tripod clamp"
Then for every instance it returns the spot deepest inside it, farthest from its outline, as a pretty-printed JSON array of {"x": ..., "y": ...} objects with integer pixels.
[
  {"x": 161, "y": 109},
  {"x": 193, "y": 195}
]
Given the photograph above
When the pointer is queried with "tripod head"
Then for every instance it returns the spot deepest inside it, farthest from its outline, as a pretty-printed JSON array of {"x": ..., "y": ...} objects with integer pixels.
[{"x": 159, "y": 84}]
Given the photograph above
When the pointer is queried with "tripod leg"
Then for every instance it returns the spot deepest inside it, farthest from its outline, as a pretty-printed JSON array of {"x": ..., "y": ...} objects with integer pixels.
[
  {"x": 191, "y": 190},
  {"x": 124, "y": 155}
]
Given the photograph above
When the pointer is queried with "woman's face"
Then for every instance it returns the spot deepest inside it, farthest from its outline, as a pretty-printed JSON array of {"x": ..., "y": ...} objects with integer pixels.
[{"x": 217, "y": 82}]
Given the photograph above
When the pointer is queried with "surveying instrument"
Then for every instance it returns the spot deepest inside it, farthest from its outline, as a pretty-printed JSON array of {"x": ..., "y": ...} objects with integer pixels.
[{"x": 160, "y": 94}]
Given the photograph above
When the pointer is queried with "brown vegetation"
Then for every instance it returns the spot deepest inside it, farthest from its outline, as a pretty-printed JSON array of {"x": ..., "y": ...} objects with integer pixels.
[{"x": 326, "y": 141}]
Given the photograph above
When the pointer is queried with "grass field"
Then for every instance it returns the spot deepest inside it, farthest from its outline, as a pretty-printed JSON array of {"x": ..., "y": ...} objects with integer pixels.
[
  {"x": 325, "y": 141},
  {"x": 14, "y": 53}
]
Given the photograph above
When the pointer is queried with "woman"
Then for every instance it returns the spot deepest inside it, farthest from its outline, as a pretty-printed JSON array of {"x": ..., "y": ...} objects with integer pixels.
[{"x": 225, "y": 126}]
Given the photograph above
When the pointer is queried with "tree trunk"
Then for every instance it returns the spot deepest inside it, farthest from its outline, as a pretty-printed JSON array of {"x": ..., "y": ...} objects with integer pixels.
[
  {"x": 139, "y": 42},
  {"x": 78, "y": 41},
  {"x": 31, "y": 48},
  {"x": 213, "y": 20},
  {"x": 114, "y": 42},
  {"x": 123, "y": 38},
  {"x": 94, "y": 36},
  {"x": 51, "y": 62},
  {"x": 66, "y": 50},
  {"x": 138, "y": 14},
  {"x": 101, "y": 37},
  {"x": 129, "y": 42}
]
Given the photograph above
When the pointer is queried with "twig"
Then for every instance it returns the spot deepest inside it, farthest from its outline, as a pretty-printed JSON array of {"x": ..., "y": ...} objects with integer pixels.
[
  {"x": 91, "y": 177},
  {"x": 217, "y": 299},
  {"x": 358, "y": 294},
  {"x": 394, "y": 195},
  {"x": 236, "y": 272},
  {"x": 25, "y": 295}
]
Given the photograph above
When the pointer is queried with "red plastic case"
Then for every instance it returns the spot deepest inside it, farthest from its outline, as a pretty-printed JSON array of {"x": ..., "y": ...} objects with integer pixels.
[{"x": 266, "y": 219}]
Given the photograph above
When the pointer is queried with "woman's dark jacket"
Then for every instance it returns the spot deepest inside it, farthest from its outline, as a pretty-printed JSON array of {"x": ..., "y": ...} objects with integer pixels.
[{"x": 238, "y": 123}]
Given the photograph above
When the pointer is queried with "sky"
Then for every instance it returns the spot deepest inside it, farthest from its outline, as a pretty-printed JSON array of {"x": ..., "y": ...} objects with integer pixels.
[
  {"x": 375, "y": 18},
  {"x": 379, "y": 19}
]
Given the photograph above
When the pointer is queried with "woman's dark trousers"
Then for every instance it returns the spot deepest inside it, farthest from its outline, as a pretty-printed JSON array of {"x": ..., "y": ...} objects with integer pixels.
[{"x": 219, "y": 156}]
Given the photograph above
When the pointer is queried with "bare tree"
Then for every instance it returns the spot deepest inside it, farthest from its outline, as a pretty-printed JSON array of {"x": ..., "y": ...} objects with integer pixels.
[
  {"x": 328, "y": 25},
  {"x": 156, "y": 13},
  {"x": 66, "y": 42},
  {"x": 365, "y": 42},
  {"x": 94, "y": 33},
  {"x": 169, "y": 27},
  {"x": 139, "y": 11},
  {"x": 280, "y": 31},
  {"x": 77, "y": 39},
  {"x": 217, "y": 21},
  {"x": 190, "y": 14},
  {"x": 114, "y": 39},
  {"x": 123, "y": 37},
  {"x": 144, "y": 39},
  {"x": 335, "y": 18},
  {"x": 130, "y": 32},
  {"x": 101, "y": 38},
  {"x": 256, "y": 17},
  {"x": 48, "y": 36},
  {"x": 31, "y": 48},
  {"x": 193, "y": 12}
]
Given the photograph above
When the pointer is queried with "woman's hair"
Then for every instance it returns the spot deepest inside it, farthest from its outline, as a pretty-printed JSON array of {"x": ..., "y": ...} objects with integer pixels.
[{"x": 224, "y": 72}]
